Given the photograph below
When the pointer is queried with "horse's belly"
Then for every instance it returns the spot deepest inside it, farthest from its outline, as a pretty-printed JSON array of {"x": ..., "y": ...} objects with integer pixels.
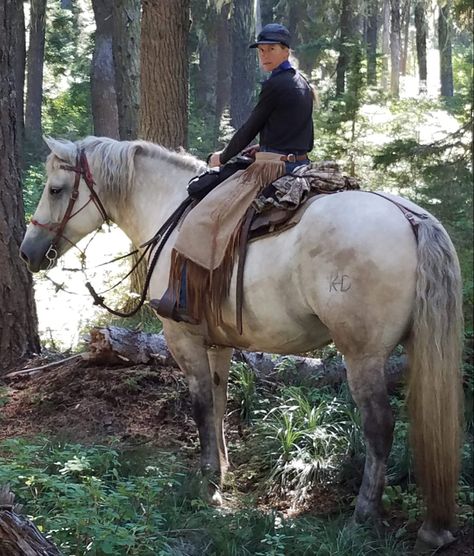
[{"x": 278, "y": 335}]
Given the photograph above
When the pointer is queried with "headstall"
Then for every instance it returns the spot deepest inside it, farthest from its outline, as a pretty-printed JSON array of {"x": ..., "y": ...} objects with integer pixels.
[{"x": 81, "y": 169}]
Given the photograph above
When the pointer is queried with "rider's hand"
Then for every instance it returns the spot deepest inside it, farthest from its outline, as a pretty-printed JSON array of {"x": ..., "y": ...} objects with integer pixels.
[
  {"x": 214, "y": 160},
  {"x": 251, "y": 151}
]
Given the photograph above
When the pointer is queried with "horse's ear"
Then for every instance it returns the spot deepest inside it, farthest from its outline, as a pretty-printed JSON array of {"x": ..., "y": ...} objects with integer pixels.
[{"x": 62, "y": 148}]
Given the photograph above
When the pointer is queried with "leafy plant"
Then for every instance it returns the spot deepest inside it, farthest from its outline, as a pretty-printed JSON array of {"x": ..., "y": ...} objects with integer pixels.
[
  {"x": 306, "y": 440},
  {"x": 243, "y": 390}
]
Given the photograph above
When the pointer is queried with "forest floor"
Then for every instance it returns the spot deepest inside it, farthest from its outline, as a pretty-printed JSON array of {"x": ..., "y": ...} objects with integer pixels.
[{"x": 143, "y": 406}]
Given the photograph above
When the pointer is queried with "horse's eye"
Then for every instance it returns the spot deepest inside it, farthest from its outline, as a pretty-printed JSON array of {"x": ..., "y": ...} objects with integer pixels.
[{"x": 55, "y": 191}]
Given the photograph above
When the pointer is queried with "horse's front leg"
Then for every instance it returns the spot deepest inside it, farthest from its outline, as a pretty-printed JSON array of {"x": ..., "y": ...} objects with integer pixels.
[
  {"x": 219, "y": 363},
  {"x": 367, "y": 384},
  {"x": 188, "y": 350}
]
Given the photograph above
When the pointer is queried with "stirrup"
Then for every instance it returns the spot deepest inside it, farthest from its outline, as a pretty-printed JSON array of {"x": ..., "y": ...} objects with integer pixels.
[{"x": 168, "y": 309}]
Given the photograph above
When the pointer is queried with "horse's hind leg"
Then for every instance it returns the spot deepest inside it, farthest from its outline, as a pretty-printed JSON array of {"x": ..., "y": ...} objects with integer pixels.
[{"x": 368, "y": 388}]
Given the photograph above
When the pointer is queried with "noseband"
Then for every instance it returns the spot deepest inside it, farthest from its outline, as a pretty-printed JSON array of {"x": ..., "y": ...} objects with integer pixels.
[{"x": 81, "y": 170}]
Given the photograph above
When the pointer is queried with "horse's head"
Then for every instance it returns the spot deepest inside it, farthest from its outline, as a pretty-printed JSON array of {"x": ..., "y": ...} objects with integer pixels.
[{"x": 68, "y": 210}]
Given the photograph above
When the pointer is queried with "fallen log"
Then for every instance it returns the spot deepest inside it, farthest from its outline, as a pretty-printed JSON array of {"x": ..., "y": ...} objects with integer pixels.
[
  {"x": 115, "y": 345},
  {"x": 18, "y": 535}
]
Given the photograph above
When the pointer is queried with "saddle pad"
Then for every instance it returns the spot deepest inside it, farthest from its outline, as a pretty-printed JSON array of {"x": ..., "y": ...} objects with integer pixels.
[{"x": 276, "y": 220}]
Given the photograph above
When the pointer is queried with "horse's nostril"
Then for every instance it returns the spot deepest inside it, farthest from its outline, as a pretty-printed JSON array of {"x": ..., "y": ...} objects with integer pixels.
[{"x": 24, "y": 256}]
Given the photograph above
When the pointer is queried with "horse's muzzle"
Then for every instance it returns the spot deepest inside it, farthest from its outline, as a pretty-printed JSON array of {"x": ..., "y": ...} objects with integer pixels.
[{"x": 37, "y": 254}]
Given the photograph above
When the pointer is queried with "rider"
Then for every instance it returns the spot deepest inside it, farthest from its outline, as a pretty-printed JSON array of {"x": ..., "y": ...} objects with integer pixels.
[
  {"x": 282, "y": 117},
  {"x": 283, "y": 114}
]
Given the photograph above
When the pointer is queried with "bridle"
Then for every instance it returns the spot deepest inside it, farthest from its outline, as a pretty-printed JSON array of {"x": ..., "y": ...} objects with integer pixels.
[
  {"x": 157, "y": 242},
  {"x": 81, "y": 170}
]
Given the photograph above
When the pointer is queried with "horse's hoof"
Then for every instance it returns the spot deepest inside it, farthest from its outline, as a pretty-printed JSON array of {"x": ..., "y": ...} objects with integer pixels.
[
  {"x": 211, "y": 486},
  {"x": 216, "y": 499},
  {"x": 430, "y": 539}
]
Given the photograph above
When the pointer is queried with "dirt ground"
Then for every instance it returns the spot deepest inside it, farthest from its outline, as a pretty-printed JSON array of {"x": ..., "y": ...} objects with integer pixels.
[{"x": 135, "y": 405}]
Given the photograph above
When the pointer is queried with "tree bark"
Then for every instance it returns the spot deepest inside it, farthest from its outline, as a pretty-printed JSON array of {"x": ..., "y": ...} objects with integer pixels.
[
  {"x": 20, "y": 56},
  {"x": 395, "y": 48},
  {"x": 300, "y": 31},
  {"x": 103, "y": 96},
  {"x": 34, "y": 92},
  {"x": 421, "y": 27},
  {"x": 126, "y": 54},
  {"x": 204, "y": 76},
  {"x": 224, "y": 65},
  {"x": 372, "y": 32},
  {"x": 406, "y": 12},
  {"x": 267, "y": 11},
  {"x": 243, "y": 62},
  {"x": 345, "y": 38},
  {"x": 164, "y": 72},
  {"x": 445, "y": 51},
  {"x": 18, "y": 322},
  {"x": 385, "y": 43},
  {"x": 18, "y": 535}
]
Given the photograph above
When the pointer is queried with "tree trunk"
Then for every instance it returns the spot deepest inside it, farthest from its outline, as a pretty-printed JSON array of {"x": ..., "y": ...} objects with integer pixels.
[
  {"x": 164, "y": 72},
  {"x": 345, "y": 38},
  {"x": 204, "y": 76},
  {"x": 395, "y": 48},
  {"x": 445, "y": 51},
  {"x": 18, "y": 535},
  {"x": 103, "y": 97},
  {"x": 372, "y": 31},
  {"x": 224, "y": 64},
  {"x": 243, "y": 62},
  {"x": 126, "y": 54},
  {"x": 18, "y": 329},
  {"x": 300, "y": 32},
  {"x": 385, "y": 43},
  {"x": 406, "y": 12},
  {"x": 266, "y": 11},
  {"x": 258, "y": 17},
  {"x": 120, "y": 346},
  {"x": 34, "y": 93},
  {"x": 20, "y": 56},
  {"x": 421, "y": 27}
]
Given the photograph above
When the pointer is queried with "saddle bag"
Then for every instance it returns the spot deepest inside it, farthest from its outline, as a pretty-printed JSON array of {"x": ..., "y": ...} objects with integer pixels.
[{"x": 200, "y": 186}]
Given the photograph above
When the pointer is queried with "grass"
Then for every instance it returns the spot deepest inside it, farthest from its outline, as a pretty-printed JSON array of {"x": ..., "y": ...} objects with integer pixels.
[
  {"x": 99, "y": 500},
  {"x": 93, "y": 500}
]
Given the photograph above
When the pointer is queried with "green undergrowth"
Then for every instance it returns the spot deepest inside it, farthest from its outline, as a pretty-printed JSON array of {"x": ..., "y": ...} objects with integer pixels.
[
  {"x": 100, "y": 500},
  {"x": 298, "y": 447}
]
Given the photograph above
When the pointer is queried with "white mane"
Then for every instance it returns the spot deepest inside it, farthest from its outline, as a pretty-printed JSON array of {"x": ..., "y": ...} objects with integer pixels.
[{"x": 113, "y": 162}]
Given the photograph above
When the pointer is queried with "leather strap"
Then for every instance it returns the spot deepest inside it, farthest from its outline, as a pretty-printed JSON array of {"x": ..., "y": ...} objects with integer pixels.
[
  {"x": 290, "y": 157},
  {"x": 412, "y": 216},
  {"x": 243, "y": 242}
]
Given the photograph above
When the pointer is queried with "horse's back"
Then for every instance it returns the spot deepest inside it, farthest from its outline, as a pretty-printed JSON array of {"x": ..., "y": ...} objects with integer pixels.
[{"x": 347, "y": 270}]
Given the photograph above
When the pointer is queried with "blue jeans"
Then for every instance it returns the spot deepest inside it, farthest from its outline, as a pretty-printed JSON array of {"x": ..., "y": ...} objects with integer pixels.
[{"x": 290, "y": 166}]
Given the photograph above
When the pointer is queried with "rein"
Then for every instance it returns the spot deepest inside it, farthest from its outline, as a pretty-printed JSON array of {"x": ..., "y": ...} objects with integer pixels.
[{"x": 158, "y": 241}]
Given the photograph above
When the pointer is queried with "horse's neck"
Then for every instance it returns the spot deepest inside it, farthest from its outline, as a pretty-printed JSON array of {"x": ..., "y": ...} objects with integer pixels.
[{"x": 156, "y": 193}]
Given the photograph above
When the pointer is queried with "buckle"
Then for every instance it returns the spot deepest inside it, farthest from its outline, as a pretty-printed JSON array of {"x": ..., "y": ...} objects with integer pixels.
[{"x": 291, "y": 157}]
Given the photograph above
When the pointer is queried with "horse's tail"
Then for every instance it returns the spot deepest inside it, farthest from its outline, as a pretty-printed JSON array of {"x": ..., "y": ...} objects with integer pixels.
[{"x": 434, "y": 383}]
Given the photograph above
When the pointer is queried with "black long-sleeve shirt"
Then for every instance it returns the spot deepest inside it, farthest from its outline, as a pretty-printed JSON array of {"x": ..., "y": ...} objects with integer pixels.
[{"x": 282, "y": 116}]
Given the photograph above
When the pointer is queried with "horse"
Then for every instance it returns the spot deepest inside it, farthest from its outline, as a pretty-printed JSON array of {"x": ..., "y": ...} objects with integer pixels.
[{"x": 356, "y": 270}]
